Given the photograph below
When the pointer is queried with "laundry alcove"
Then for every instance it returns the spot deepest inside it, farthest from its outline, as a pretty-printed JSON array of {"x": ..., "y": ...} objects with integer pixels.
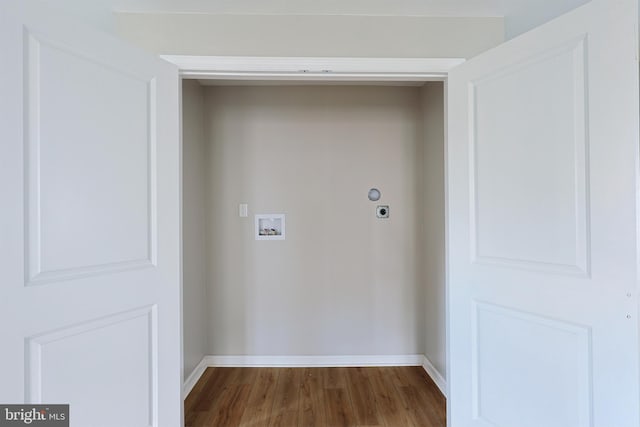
[{"x": 345, "y": 287}]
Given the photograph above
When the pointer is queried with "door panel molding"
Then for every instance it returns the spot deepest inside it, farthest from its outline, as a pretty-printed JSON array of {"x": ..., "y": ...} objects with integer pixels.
[
  {"x": 566, "y": 382},
  {"x": 38, "y": 183},
  {"x": 574, "y": 109},
  {"x": 66, "y": 349}
]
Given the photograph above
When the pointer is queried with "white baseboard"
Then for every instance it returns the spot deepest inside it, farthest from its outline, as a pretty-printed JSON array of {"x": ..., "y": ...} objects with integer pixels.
[
  {"x": 193, "y": 378},
  {"x": 435, "y": 375},
  {"x": 313, "y": 361}
]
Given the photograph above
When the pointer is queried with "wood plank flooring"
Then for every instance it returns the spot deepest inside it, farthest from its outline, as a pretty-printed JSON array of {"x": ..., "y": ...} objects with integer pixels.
[{"x": 315, "y": 397}]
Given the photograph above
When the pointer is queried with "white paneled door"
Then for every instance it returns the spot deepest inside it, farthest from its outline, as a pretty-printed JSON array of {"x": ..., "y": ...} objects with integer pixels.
[
  {"x": 89, "y": 224},
  {"x": 542, "y": 174}
]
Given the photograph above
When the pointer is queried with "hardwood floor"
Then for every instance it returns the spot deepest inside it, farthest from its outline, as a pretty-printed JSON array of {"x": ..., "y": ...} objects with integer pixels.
[{"x": 308, "y": 397}]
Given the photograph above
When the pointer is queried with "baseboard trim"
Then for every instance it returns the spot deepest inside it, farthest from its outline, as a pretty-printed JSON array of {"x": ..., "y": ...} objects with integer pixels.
[
  {"x": 435, "y": 375},
  {"x": 313, "y": 361},
  {"x": 193, "y": 378}
]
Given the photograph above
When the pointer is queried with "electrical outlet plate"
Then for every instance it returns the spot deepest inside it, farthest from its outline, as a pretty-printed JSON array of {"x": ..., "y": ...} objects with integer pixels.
[{"x": 382, "y": 211}]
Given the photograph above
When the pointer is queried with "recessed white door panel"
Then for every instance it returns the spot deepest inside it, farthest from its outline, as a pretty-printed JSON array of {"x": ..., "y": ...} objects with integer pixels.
[
  {"x": 89, "y": 173},
  {"x": 542, "y": 226},
  {"x": 89, "y": 164},
  {"x": 62, "y": 360},
  {"x": 557, "y": 382},
  {"x": 528, "y": 162}
]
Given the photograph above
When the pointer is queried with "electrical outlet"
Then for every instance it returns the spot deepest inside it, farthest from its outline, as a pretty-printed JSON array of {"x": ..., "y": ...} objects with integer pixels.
[{"x": 382, "y": 211}]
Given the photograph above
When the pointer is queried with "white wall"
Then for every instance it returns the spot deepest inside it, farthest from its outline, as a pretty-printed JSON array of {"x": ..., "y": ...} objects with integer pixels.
[
  {"x": 139, "y": 26},
  {"x": 315, "y": 7},
  {"x": 309, "y": 35},
  {"x": 434, "y": 226},
  {"x": 343, "y": 282},
  {"x": 524, "y": 15},
  {"x": 195, "y": 219},
  {"x": 95, "y": 13}
]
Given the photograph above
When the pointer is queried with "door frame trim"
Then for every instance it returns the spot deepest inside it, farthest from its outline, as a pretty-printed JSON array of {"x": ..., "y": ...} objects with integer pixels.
[
  {"x": 337, "y": 70},
  {"x": 313, "y": 68}
]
